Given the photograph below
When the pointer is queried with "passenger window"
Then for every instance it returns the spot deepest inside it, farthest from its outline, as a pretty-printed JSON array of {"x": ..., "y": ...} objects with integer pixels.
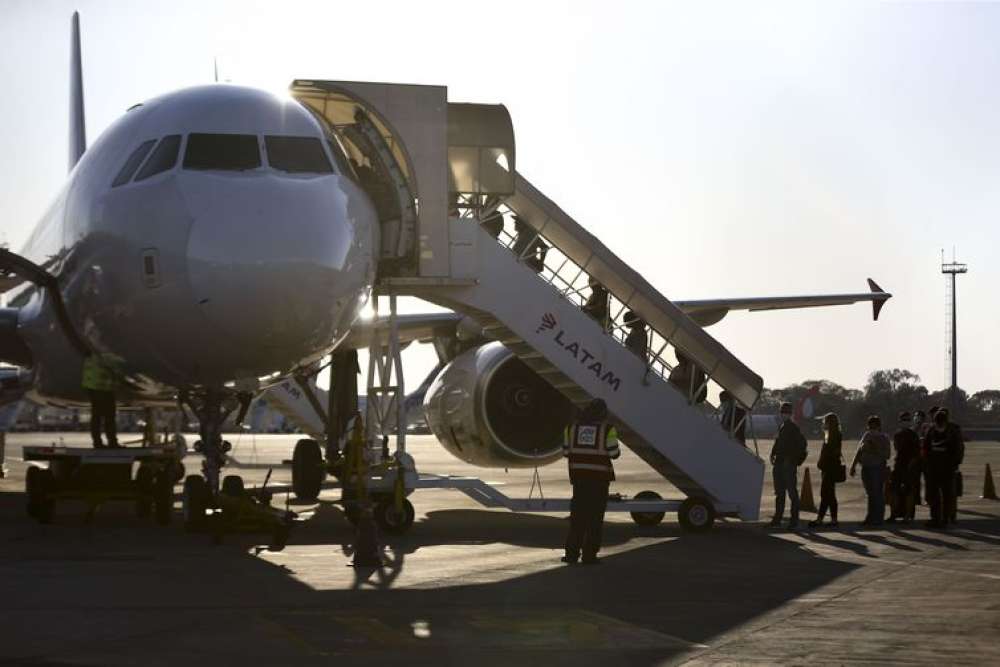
[
  {"x": 163, "y": 158},
  {"x": 297, "y": 155},
  {"x": 132, "y": 163},
  {"x": 224, "y": 152}
]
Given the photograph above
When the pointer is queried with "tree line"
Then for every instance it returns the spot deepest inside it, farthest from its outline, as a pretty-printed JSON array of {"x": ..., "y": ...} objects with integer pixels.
[{"x": 887, "y": 393}]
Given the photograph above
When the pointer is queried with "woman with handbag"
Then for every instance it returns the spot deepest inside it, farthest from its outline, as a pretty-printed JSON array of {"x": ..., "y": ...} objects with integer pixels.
[{"x": 832, "y": 469}]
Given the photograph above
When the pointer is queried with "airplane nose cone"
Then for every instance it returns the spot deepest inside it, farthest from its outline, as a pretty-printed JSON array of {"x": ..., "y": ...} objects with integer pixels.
[{"x": 278, "y": 266}]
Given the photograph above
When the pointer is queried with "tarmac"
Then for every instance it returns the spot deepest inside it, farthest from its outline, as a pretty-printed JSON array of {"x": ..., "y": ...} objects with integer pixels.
[{"x": 469, "y": 585}]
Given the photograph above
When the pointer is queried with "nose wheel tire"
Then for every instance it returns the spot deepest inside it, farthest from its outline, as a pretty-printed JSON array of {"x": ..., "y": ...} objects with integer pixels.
[
  {"x": 647, "y": 518},
  {"x": 307, "y": 470},
  {"x": 391, "y": 520},
  {"x": 696, "y": 515},
  {"x": 232, "y": 485}
]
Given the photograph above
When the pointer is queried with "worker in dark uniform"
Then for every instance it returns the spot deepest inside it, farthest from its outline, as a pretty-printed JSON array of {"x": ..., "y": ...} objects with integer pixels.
[
  {"x": 597, "y": 305},
  {"x": 100, "y": 379},
  {"x": 943, "y": 450},
  {"x": 787, "y": 454},
  {"x": 906, "y": 444},
  {"x": 591, "y": 444}
]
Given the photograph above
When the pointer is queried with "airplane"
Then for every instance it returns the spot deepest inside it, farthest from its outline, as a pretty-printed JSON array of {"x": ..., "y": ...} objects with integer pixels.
[{"x": 218, "y": 239}]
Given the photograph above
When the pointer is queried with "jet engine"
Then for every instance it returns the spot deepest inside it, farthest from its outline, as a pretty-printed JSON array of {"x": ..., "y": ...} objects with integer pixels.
[{"x": 488, "y": 408}]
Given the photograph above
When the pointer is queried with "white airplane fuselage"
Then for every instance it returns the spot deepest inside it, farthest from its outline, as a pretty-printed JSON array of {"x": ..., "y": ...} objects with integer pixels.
[{"x": 199, "y": 277}]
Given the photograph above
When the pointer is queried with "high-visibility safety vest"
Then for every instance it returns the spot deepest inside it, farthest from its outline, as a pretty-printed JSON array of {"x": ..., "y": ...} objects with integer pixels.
[
  {"x": 99, "y": 373},
  {"x": 590, "y": 449}
]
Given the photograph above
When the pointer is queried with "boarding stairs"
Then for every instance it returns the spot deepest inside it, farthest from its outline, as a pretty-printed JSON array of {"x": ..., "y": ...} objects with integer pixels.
[{"x": 537, "y": 315}]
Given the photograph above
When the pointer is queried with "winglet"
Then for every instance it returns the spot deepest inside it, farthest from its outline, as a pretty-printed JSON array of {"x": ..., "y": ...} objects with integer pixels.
[
  {"x": 878, "y": 301},
  {"x": 77, "y": 125}
]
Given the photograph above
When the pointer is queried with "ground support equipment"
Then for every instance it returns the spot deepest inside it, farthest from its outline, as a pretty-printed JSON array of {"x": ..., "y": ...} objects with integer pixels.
[
  {"x": 234, "y": 510},
  {"x": 96, "y": 476}
]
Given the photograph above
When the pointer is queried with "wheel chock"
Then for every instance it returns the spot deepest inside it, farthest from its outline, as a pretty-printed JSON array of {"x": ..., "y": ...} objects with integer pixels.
[
  {"x": 806, "y": 501},
  {"x": 989, "y": 490}
]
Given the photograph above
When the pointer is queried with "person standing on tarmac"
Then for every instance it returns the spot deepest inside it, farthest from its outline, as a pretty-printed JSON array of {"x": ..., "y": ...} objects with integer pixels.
[
  {"x": 830, "y": 465},
  {"x": 907, "y": 445},
  {"x": 943, "y": 452},
  {"x": 100, "y": 379},
  {"x": 787, "y": 454},
  {"x": 873, "y": 453},
  {"x": 591, "y": 444},
  {"x": 920, "y": 427}
]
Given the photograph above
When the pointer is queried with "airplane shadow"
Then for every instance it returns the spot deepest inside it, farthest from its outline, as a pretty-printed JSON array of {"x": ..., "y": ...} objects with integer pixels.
[{"x": 659, "y": 600}]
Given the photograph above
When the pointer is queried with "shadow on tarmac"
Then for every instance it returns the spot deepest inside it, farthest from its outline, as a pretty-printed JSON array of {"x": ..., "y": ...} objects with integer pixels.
[{"x": 654, "y": 602}]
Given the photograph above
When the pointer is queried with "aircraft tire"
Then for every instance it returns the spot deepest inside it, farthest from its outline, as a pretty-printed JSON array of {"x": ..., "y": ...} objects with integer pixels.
[
  {"x": 307, "y": 470},
  {"x": 232, "y": 485},
  {"x": 392, "y": 521},
  {"x": 647, "y": 519},
  {"x": 696, "y": 515}
]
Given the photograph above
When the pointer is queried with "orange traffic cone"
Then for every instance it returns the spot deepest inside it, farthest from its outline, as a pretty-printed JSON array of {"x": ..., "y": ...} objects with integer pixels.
[
  {"x": 989, "y": 491},
  {"x": 806, "y": 502}
]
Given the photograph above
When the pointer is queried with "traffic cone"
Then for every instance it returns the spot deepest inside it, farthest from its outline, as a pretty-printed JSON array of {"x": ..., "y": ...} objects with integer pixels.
[
  {"x": 989, "y": 491},
  {"x": 806, "y": 502}
]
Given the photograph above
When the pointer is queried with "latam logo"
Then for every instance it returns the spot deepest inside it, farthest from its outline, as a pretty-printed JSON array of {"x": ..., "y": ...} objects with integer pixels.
[{"x": 580, "y": 353}]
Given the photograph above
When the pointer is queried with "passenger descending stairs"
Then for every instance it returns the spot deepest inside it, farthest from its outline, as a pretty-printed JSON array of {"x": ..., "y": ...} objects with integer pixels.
[{"x": 530, "y": 314}]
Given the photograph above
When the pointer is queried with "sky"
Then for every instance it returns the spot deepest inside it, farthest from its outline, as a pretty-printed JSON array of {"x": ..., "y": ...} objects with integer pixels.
[{"x": 721, "y": 149}]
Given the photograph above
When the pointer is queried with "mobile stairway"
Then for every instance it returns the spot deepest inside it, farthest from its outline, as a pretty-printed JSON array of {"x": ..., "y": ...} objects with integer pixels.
[
  {"x": 488, "y": 244},
  {"x": 537, "y": 315}
]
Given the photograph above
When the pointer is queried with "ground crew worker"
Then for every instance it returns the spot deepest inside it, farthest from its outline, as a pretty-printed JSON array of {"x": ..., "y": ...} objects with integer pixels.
[
  {"x": 100, "y": 378},
  {"x": 904, "y": 479},
  {"x": 943, "y": 452},
  {"x": 873, "y": 453},
  {"x": 787, "y": 454},
  {"x": 590, "y": 445}
]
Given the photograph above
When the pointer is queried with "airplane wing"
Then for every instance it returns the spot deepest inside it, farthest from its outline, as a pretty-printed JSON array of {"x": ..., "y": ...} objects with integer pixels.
[{"x": 709, "y": 311}]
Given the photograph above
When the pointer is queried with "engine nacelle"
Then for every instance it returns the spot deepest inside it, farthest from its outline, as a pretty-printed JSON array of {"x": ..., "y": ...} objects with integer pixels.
[{"x": 488, "y": 408}]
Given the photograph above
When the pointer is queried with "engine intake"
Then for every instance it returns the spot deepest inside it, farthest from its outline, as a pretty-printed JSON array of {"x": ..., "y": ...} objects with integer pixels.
[{"x": 489, "y": 409}]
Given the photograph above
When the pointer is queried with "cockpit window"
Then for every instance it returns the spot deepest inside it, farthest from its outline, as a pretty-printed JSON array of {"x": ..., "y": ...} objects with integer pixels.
[
  {"x": 163, "y": 158},
  {"x": 223, "y": 152},
  {"x": 132, "y": 163},
  {"x": 297, "y": 155}
]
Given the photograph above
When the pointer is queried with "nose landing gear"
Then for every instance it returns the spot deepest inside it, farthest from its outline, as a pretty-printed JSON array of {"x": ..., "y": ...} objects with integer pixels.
[{"x": 212, "y": 409}]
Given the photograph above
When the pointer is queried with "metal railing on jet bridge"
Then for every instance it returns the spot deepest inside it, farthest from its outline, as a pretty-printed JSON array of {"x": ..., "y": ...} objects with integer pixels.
[{"x": 567, "y": 257}]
